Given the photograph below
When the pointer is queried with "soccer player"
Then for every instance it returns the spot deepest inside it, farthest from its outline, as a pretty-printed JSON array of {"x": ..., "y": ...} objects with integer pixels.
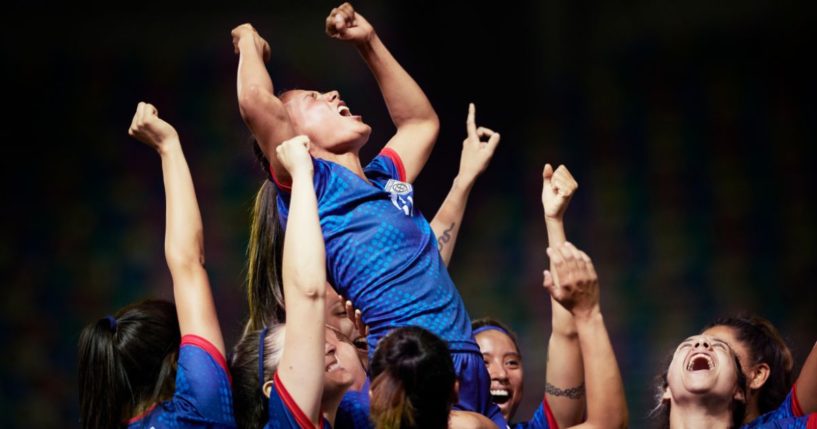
[
  {"x": 152, "y": 364},
  {"x": 381, "y": 252},
  {"x": 705, "y": 387}
]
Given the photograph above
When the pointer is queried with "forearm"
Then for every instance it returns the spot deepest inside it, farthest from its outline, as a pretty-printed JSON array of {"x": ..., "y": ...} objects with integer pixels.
[
  {"x": 405, "y": 100},
  {"x": 446, "y": 223},
  {"x": 565, "y": 373},
  {"x": 184, "y": 242},
  {"x": 304, "y": 268},
  {"x": 606, "y": 404},
  {"x": 252, "y": 72}
]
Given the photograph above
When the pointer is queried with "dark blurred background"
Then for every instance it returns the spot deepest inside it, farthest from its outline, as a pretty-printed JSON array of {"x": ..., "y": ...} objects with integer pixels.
[{"x": 689, "y": 126}]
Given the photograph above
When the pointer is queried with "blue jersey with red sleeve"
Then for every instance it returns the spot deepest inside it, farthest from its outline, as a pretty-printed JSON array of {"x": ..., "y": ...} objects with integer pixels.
[
  {"x": 202, "y": 399},
  {"x": 788, "y": 409},
  {"x": 381, "y": 252},
  {"x": 802, "y": 422},
  {"x": 284, "y": 413},
  {"x": 542, "y": 419}
]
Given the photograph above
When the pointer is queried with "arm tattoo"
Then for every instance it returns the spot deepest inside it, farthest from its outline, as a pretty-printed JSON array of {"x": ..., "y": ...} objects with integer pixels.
[
  {"x": 571, "y": 393},
  {"x": 445, "y": 238}
]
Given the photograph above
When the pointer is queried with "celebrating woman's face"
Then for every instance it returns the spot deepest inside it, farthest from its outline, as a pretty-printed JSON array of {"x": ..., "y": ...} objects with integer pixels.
[{"x": 702, "y": 365}]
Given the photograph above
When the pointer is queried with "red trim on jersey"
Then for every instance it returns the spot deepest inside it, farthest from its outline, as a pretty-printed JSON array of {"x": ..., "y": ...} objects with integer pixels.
[
  {"x": 210, "y": 349},
  {"x": 142, "y": 415},
  {"x": 280, "y": 185},
  {"x": 300, "y": 416},
  {"x": 395, "y": 158},
  {"x": 549, "y": 414},
  {"x": 795, "y": 404},
  {"x": 812, "y": 421}
]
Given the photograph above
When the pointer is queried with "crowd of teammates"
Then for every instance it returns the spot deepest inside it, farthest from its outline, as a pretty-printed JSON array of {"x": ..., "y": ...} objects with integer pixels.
[{"x": 353, "y": 319}]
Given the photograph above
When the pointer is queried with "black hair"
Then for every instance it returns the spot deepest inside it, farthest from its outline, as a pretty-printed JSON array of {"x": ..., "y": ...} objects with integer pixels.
[
  {"x": 127, "y": 362},
  {"x": 412, "y": 381},
  {"x": 765, "y": 345},
  {"x": 249, "y": 403},
  {"x": 489, "y": 321},
  {"x": 264, "y": 286}
]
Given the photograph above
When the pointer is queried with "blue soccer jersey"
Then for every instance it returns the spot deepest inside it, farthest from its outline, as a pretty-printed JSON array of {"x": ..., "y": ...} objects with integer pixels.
[
  {"x": 542, "y": 419},
  {"x": 284, "y": 413},
  {"x": 353, "y": 412},
  {"x": 787, "y": 410},
  {"x": 203, "y": 398},
  {"x": 381, "y": 252},
  {"x": 802, "y": 422}
]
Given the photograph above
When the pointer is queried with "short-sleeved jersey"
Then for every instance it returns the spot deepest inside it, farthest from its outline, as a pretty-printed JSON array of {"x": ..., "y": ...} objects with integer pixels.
[
  {"x": 202, "y": 399},
  {"x": 788, "y": 409},
  {"x": 353, "y": 412},
  {"x": 542, "y": 419},
  {"x": 802, "y": 422},
  {"x": 381, "y": 252},
  {"x": 284, "y": 413}
]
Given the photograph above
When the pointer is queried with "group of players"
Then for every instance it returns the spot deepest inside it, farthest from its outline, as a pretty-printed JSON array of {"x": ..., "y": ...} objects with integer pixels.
[{"x": 353, "y": 319}]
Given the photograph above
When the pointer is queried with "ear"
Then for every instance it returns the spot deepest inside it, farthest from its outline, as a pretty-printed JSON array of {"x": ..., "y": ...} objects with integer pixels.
[
  {"x": 759, "y": 375},
  {"x": 267, "y": 388}
]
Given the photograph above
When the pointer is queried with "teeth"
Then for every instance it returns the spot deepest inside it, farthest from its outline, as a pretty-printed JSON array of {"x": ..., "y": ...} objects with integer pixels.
[
  {"x": 691, "y": 366},
  {"x": 344, "y": 111},
  {"x": 499, "y": 392}
]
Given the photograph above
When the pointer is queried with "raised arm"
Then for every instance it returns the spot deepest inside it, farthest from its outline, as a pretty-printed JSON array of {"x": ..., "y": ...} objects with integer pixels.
[
  {"x": 304, "y": 274},
  {"x": 261, "y": 110},
  {"x": 565, "y": 374},
  {"x": 807, "y": 383},
  {"x": 184, "y": 239},
  {"x": 417, "y": 123},
  {"x": 476, "y": 154},
  {"x": 574, "y": 284}
]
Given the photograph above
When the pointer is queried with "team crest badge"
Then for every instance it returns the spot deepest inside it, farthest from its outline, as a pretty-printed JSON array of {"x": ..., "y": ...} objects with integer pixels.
[{"x": 402, "y": 196}]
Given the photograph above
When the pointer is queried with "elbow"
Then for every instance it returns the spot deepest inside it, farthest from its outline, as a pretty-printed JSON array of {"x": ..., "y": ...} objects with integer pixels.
[
  {"x": 180, "y": 259},
  {"x": 249, "y": 99}
]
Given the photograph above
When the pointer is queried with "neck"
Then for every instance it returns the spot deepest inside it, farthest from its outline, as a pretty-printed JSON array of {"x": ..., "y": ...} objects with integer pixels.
[
  {"x": 350, "y": 160},
  {"x": 330, "y": 404},
  {"x": 700, "y": 414},
  {"x": 751, "y": 409}
]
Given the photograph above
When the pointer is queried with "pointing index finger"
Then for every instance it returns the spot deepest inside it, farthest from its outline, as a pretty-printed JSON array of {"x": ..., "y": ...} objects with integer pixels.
[{"x": 470, "y": 122}]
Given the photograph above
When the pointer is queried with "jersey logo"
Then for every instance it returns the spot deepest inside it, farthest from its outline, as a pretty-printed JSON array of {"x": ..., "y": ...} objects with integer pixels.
[{"x": 402, "y": 196}]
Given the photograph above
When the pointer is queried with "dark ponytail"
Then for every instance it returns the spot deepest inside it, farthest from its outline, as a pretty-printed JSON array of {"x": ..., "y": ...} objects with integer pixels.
[
  {"x": 265, "y": 294},
  {"x": 127, "y": 362},
  {"x": 413, "y": 381}
]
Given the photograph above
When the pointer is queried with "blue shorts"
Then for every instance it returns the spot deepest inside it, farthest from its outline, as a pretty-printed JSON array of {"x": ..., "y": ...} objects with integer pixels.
[{"x": 475, "y": 383}]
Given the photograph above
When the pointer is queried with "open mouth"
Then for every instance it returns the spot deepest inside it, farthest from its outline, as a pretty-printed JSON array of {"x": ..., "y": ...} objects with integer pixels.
[
  {"x": 700, "y": 362},
  {"x": 344, "y": 111},
  {"x": 500, "y": 396}
]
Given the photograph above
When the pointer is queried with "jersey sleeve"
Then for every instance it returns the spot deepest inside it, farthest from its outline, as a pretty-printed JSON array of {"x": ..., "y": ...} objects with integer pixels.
[
  {"x": 203, "y": 383},
  {"x": 386, "y": 165}
]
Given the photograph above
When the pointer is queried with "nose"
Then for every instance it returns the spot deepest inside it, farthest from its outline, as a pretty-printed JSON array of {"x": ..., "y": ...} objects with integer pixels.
[
  {"x": 329, "y": 348},
  {"x": 702, "y": 342},
  {"x": 497, "y": 371},
  {"x": 332, "y": 95}
]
